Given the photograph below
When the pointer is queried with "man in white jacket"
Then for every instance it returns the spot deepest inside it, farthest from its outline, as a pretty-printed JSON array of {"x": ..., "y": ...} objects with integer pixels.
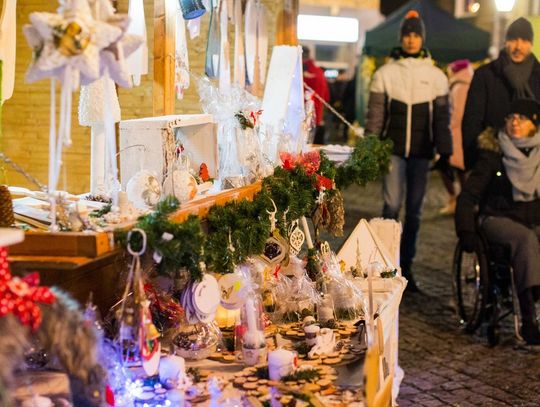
[{"x": 408, "y": 103}]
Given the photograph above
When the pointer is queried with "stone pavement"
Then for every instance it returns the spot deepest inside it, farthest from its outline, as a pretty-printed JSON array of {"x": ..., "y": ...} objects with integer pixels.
[{"x": 444, "y": 366}]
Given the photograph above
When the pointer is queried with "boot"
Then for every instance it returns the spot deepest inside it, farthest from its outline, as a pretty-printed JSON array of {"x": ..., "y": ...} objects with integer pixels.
[
  {"x": 450, "y": 207},
  {"x": 529, "y": 324},
  {"x": 412, "y": 287}
]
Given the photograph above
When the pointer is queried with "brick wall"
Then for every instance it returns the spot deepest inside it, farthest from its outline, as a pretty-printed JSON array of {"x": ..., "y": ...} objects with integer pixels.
[{"x": 26, "y": 115}]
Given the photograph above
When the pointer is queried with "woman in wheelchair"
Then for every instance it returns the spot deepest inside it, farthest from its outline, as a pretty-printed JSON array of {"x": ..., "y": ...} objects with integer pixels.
[{"x": 503, "y": 193}]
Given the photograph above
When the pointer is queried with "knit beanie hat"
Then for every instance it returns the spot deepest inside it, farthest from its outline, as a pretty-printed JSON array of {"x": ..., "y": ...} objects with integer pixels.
[
  {"x": 412, "y": 23},
  {"x": 526, "y": 107},
  {"x": 521, "y": 28},
  {"x": 459, "y": 65}
]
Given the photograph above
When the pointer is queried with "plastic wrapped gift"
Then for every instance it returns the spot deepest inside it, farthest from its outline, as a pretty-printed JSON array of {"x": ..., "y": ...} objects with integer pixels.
[
  {"x": 236, "y": 114},
  {"x": 348, "y": 299},
  {"x": 296, "y": 296},
  {"x": 195, "y": 342}
]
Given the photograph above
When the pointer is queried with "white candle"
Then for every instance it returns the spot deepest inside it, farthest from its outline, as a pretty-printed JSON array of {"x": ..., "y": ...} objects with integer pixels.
[{"x": 306, "y": 232}]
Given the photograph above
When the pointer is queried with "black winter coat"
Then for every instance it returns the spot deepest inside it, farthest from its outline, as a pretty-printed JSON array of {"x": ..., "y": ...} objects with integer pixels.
[
  {"x": 489, "y": 189},
  {"x": 488, "y": 102}
]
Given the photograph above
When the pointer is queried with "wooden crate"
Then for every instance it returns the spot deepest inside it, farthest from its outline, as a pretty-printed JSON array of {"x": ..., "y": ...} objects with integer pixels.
[{"x": 160, "y": 136}]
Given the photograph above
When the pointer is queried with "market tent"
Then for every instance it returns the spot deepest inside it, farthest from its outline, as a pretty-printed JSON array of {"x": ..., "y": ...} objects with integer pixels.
[{"x": 448, "y": 38}]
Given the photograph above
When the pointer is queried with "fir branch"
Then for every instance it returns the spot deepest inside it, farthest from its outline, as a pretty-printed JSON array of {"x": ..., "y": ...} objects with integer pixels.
[
  {"x": 308, "y": 375},
  {"x": 369, "y": 159},
  {"x": 249, "y": 227}
]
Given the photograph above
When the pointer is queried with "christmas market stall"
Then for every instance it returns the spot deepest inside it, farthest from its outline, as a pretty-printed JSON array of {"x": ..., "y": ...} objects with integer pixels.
[{"x": 193, "y": 270}]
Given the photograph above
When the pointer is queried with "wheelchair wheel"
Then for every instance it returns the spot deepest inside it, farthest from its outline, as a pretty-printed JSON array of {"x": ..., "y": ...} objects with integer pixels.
[{"x": 471, "y": 285}]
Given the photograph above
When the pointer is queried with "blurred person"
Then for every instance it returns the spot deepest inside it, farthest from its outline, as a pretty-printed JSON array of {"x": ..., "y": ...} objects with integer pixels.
[
  {"x": 514, "y": 74},
  {"x": 408, "y": 103},
  {"x": 460, "y": 74},
  {"x": 314, "y": 77},
  {"x": 505, "y": 185}
]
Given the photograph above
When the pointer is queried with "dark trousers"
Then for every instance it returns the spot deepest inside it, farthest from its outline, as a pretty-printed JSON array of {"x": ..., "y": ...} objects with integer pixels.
[
  {"x": 319, "y": 135},
  {"x": 407, "y": 177},
  {"x": 524, "y": 248}
]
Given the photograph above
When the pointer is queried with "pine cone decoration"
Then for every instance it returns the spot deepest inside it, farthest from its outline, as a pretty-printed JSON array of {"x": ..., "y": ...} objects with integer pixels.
[{"x": 7, "y": 218}]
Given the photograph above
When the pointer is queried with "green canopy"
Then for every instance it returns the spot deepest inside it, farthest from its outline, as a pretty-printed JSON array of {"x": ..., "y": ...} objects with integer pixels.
[{"x": 448, "y": 38}]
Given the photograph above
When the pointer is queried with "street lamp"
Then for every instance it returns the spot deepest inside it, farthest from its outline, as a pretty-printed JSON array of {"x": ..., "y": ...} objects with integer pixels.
[
  {"x": 499, "y": 23},
  {"x": 504, "y": 6}
]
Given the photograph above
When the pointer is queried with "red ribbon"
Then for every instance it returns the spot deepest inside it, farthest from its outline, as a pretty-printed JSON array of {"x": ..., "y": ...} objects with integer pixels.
[
  {"x": 254, "y": 115},
  {"x": 21, "y": 295}
]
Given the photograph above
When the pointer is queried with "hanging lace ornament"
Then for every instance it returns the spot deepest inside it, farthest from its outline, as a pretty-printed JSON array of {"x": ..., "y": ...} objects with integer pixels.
[{"x": 296, "y": 239}]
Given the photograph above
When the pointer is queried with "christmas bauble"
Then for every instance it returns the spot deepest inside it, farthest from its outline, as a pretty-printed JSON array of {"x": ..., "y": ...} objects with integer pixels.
[
  {"x": 143, "y": 190},
  {"x": 181, "y": 184}
]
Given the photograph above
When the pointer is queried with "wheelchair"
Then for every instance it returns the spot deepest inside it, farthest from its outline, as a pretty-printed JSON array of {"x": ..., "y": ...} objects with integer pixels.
[{"x": 484, "y": 288}]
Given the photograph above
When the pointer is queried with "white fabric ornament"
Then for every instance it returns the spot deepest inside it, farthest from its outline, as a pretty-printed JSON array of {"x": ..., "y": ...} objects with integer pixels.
[
  {"x": 137, "y": 62},
  {"x": 143, "y": 190},
  {"x": 181, "y": 184}
]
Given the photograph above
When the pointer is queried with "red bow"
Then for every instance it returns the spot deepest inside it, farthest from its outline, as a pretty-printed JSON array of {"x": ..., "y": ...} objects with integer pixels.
[
  {"x": 310, "y": 161},
  {"x": 324, "y": 182},
  {"x": 20, "y": 295}
]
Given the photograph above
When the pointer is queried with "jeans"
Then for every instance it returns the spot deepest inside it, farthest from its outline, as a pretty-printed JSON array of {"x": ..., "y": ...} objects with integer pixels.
[{"x": 407, "y": 176}]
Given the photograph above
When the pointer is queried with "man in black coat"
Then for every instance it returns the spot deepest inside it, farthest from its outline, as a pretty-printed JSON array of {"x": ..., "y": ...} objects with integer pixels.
[{"x": 514, "y": 75}]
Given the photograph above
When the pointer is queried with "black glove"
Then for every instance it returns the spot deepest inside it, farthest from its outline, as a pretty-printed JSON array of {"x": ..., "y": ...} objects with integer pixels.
[{"x": 467, "y": 241}]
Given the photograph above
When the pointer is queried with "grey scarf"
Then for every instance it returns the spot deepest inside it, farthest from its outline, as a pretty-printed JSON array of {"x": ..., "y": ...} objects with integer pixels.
[
  {"x": 523, "y": 171},
  {"x": 518, "y": 76}
]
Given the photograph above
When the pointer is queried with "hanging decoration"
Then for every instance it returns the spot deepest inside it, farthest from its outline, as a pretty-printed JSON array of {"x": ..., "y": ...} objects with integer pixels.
[
  {"x": 239, "y": 76},
  {"x": 102, "y": 116},
  {"x": 211, "y": 64},
  {"x": 182, "y": 79},
  {"x": 224, "y": 51},
  {"x": 8, "y": 39},
  {"x": 138, "y": 336},
  {"x": 137, "y": 62},
  {"x": 66, "y": 47},
  {"x": 256, "y": 42},
  {"x": 192, "y": 9}
]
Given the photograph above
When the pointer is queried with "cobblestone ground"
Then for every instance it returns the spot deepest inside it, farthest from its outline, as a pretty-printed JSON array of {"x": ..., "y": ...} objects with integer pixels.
[{"x": 444, "y": 366}]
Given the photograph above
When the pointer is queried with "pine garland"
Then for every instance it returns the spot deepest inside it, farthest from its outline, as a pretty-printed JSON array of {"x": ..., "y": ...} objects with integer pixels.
[
  {"x": 179, "y": 244},
  {"x": 369, "y": 159},
  {"x": 246, "y": 223}
]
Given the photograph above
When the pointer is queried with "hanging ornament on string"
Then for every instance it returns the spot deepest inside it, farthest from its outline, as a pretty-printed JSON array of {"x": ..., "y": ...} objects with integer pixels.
[
  {"x": 296, "y": 238},
  {"x": 103, "y": 116},
  {"x": 143, "y": 189},
  {"x": 8, "y": 27},
  {"x": 192, "y": 9},
  {"x": 66, "y": 47},
  {"x": 211, "y": 63},
  {"x": 224, "y": 52},
  {"x": 182, "y": 79},
  {"x": 239, "y": 76},
  {"x": 276, "y": 248},
  {"x": 138, "y": 337},
  {"x": 137, "y": 63}
]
